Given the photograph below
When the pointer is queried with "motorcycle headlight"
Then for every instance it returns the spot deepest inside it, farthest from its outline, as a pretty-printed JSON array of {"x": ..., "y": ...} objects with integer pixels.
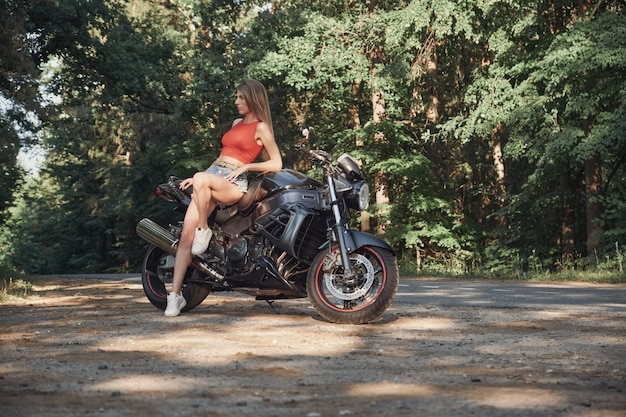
[{"x": 358, "y": 198}]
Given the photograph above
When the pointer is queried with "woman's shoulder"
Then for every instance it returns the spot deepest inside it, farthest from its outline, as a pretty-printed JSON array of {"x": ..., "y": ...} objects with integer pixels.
[
  {"x": 236, "y": 121},
  {"x": 262, "y": 128}
]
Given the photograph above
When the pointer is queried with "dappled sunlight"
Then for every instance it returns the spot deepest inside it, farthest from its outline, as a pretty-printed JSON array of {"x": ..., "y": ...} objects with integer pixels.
[
  {"x": 503, "y": 398},
  {"x": 425, "y": 323},
  {"x": 81, "y": 293},
  {"x": 105, "y": 340},
  {"x": 213, "y": 337},
  {"x": 141, "y": 384},
  {"x": 515, "y": 398},
  {"x": 391, "y": 389}
]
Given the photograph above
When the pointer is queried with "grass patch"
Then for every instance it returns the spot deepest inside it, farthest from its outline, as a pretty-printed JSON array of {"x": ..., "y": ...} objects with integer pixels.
[
  {"x": 14, "y": 285},
  {"x": 593, "y": 277},
  {"x": 607, "y": 272},
  {"x": 606, "y": 268}
]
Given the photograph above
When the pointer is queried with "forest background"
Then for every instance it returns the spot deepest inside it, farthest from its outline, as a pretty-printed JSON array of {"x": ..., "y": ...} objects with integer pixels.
[{"x": 492, "y": 132}]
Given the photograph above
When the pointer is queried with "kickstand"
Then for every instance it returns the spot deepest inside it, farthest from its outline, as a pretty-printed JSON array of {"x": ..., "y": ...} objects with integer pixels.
[{"x": 271, "y": 304}]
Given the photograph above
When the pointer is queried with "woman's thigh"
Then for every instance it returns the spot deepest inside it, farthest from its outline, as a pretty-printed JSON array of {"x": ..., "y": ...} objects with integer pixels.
[{"x": 222, "y": 190}]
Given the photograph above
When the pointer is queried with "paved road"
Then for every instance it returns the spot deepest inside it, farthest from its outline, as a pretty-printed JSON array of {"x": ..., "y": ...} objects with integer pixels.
[
  {"x": 487, "y": 294},
  {"x": 490, "y": 294}
]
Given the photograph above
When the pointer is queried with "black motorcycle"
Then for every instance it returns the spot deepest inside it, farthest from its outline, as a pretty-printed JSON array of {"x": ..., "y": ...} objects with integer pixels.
[{"x": 287, "y": 238}]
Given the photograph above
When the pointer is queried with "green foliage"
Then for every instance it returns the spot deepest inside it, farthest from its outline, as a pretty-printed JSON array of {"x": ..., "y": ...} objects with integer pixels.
[
  {"x": 547, "y": 87},
  {"x": 12, "y": 173},
  {"x": 145, "y": 89},
  {"x": 19, "y": 103},
  {"x": 577, "y": 88}
]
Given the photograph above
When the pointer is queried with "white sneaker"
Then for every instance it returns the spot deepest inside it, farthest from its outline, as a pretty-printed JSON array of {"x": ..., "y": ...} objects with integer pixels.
[
  {"x": 201, "y": 241},
  {"x": 175, "y": 303}
]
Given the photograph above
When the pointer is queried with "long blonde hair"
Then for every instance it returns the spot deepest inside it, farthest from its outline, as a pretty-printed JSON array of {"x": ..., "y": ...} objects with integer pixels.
[{"x": 256, "y": 96}]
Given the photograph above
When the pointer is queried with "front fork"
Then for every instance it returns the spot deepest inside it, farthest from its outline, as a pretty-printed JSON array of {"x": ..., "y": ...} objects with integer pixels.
[{"x": 339, "y": 230}]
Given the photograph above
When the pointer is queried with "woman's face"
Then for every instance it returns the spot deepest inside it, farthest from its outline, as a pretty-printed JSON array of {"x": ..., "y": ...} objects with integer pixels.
[{"x": 242, "y": 104}]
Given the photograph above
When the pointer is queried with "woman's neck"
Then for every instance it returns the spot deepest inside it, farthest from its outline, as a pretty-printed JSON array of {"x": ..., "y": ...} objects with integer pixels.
[{"x": 250, "y": 118}]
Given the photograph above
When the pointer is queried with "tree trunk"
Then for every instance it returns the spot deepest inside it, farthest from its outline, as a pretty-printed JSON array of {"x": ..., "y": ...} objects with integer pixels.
[
  {"x": 568, "y": 241},
  {"x": 593, "y": 190},
  {"x": 584, "y": 6},
  {"x": 593, "y": 172},
  {"x": 356, "y": 125},
  {"x": 378, "y": 115},
  {"x": 498, "y": 165},
  {"x": 418, "y": 258},
  {"x": 382, "y": 198}
]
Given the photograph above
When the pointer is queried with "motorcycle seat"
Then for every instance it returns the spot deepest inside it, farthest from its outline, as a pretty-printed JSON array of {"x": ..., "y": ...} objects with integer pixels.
[{"x": 246, "y": 203}]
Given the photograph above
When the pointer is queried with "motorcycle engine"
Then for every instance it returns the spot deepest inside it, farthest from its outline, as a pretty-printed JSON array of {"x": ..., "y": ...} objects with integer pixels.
[
  {"x": 236, "y": 254},
  {"x": 242, "y": 252},
  {"x": 237, "y": 249}
]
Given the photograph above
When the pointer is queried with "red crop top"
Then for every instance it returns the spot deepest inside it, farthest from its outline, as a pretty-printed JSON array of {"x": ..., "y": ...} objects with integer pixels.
[{"x": 240, "y": 142}]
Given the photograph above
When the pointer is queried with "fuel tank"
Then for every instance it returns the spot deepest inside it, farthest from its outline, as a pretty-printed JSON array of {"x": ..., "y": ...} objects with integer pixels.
[
  {"x": 273, "y": 190},
  {"x": 287, "y": 179}
]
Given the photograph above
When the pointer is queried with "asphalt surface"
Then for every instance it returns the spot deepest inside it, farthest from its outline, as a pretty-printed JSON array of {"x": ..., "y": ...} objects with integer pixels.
[
  {"x": 488, "y": 294},
  {"x": 485, "y": 294}
]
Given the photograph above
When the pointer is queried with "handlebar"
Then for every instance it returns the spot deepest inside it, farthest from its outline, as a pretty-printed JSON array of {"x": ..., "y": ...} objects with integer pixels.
[{"x": 316, "y": 155}]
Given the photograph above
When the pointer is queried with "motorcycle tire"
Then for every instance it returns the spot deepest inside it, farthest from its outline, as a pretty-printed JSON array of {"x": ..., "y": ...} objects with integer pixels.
[
  {"x": 358, "y": 302},
  {"x": 156, "y": 277}
]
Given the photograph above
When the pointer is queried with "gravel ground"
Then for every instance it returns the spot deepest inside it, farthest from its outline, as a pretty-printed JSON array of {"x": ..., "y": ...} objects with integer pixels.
[{"x": 83, "y": 347}]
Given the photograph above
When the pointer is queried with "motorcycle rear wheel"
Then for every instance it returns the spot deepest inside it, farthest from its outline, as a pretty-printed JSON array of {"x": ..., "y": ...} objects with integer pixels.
[
  {"x": 359, "y": 302},
  {"x": 156, "y": 277}
]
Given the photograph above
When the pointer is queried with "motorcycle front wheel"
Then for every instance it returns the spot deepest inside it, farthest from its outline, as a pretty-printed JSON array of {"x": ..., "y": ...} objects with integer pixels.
[
  {"x": 156, "y": 277},
  {"x": 357, "y": 300}
]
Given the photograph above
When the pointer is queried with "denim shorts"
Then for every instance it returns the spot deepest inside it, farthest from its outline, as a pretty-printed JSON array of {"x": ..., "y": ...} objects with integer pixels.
[{"x": 241, "y": 181}]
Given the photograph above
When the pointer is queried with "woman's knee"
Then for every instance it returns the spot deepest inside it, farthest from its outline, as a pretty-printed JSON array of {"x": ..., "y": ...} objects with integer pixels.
[
  {"x": 201, "y": 180},
  {"x": 198, "y": 181},
  {"x": 186, "y": 237}
]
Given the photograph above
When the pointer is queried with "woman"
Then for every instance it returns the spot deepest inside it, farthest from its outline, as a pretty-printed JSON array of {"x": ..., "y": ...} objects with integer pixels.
[{"x": 225, "y": 181}]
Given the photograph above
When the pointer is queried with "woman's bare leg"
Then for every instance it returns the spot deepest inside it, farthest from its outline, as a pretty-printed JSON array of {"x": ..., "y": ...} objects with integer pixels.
[
  {"x": 194, "y": 217},
  {"x": 183, "y": 252},
  {"x": 208, "y": 189}
]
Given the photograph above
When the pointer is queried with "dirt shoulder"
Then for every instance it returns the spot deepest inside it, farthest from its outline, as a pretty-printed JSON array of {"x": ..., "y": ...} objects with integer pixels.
[{"x": 95, "y": 347}]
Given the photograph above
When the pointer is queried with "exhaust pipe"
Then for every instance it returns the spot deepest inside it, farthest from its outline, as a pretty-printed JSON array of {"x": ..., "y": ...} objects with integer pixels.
[{"x": 152, "y": 233}]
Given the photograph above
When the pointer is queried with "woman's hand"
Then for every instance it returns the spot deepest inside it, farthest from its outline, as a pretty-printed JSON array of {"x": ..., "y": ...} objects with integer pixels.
[
  {"x": 184, "y": 184},
  {"x": 232, "y": 177}
]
